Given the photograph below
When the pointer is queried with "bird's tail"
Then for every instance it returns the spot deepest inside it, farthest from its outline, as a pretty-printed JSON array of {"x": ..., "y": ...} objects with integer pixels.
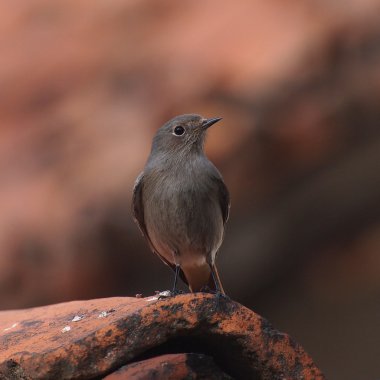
[{"x": 200, "y": 277}]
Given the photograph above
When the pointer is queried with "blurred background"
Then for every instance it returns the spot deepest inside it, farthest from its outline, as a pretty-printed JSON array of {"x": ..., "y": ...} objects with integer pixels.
[{"x": 83, "y": 88}]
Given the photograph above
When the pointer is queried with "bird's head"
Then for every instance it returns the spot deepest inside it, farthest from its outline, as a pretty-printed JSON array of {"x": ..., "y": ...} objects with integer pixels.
[{"x": 183, "y": 133}]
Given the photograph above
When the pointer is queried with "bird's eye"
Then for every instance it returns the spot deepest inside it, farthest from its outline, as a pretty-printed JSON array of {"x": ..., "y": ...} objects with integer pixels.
[{"x": 179, "y": 131}]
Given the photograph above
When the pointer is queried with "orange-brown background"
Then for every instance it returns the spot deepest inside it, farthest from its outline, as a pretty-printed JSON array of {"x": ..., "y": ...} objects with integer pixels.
[{"x": 84, "y": 86}]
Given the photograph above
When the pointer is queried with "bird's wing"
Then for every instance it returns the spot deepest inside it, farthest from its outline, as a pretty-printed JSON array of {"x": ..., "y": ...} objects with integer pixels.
[
  {"x": 224, "y": 197},
  {"x": 138, "y": 209},
  {"x": 138, "y": 214},
  {"x": 137, "y": 204}
]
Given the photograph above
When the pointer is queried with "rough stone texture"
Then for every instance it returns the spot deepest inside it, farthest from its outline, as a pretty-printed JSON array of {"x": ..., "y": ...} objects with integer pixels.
[
  {"x": 171, "y": 367},
  {"x": 86, "y": 339}
]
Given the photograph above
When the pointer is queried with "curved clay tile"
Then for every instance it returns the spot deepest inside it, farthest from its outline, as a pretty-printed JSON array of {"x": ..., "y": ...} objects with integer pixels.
[{"x": 91, "y": 339}]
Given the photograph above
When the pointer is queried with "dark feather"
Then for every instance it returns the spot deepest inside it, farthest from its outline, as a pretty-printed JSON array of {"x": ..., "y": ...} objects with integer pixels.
[
  {"x": 137, "y": 204},
  {"x": 224, "y": 196}
]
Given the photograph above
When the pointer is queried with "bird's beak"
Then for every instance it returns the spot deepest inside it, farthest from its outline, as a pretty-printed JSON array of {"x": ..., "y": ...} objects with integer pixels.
[{"x": 209, "y": 122}]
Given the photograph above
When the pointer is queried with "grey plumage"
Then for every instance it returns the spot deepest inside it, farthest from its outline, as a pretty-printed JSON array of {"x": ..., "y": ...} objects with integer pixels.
[{"x": 181, "y": 203}]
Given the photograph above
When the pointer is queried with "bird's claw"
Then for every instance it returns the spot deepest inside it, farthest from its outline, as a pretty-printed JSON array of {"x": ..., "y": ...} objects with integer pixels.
[{"x": 207, "y": 289}]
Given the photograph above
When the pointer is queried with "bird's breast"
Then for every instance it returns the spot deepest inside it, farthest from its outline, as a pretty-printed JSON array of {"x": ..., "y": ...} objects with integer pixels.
[{"x": 182, "y": 211}]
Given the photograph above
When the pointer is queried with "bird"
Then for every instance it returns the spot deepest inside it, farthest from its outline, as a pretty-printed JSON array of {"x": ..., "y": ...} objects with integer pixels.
[{"x": 181, "y": 203}]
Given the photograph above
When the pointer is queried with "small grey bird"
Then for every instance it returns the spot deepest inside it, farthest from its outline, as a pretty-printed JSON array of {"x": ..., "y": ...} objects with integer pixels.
[{"x": 181, "y": 203}]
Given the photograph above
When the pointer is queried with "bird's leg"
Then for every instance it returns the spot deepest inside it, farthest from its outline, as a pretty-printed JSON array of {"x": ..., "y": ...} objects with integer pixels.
[
  {"x": 219, "y": 291},
  {"x": 215, "y": 277},
  {"x": 176, "y": 259},
  {"x": 175, "y": 291}
]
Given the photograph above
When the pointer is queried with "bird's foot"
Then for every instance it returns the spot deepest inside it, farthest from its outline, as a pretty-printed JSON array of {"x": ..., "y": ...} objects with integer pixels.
[
  {"x": 218, "y": 294},
  {"x": 220, "y": 300},
  {"x": 207, "y": 289},
  {"x": 220, "y": 297}
]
